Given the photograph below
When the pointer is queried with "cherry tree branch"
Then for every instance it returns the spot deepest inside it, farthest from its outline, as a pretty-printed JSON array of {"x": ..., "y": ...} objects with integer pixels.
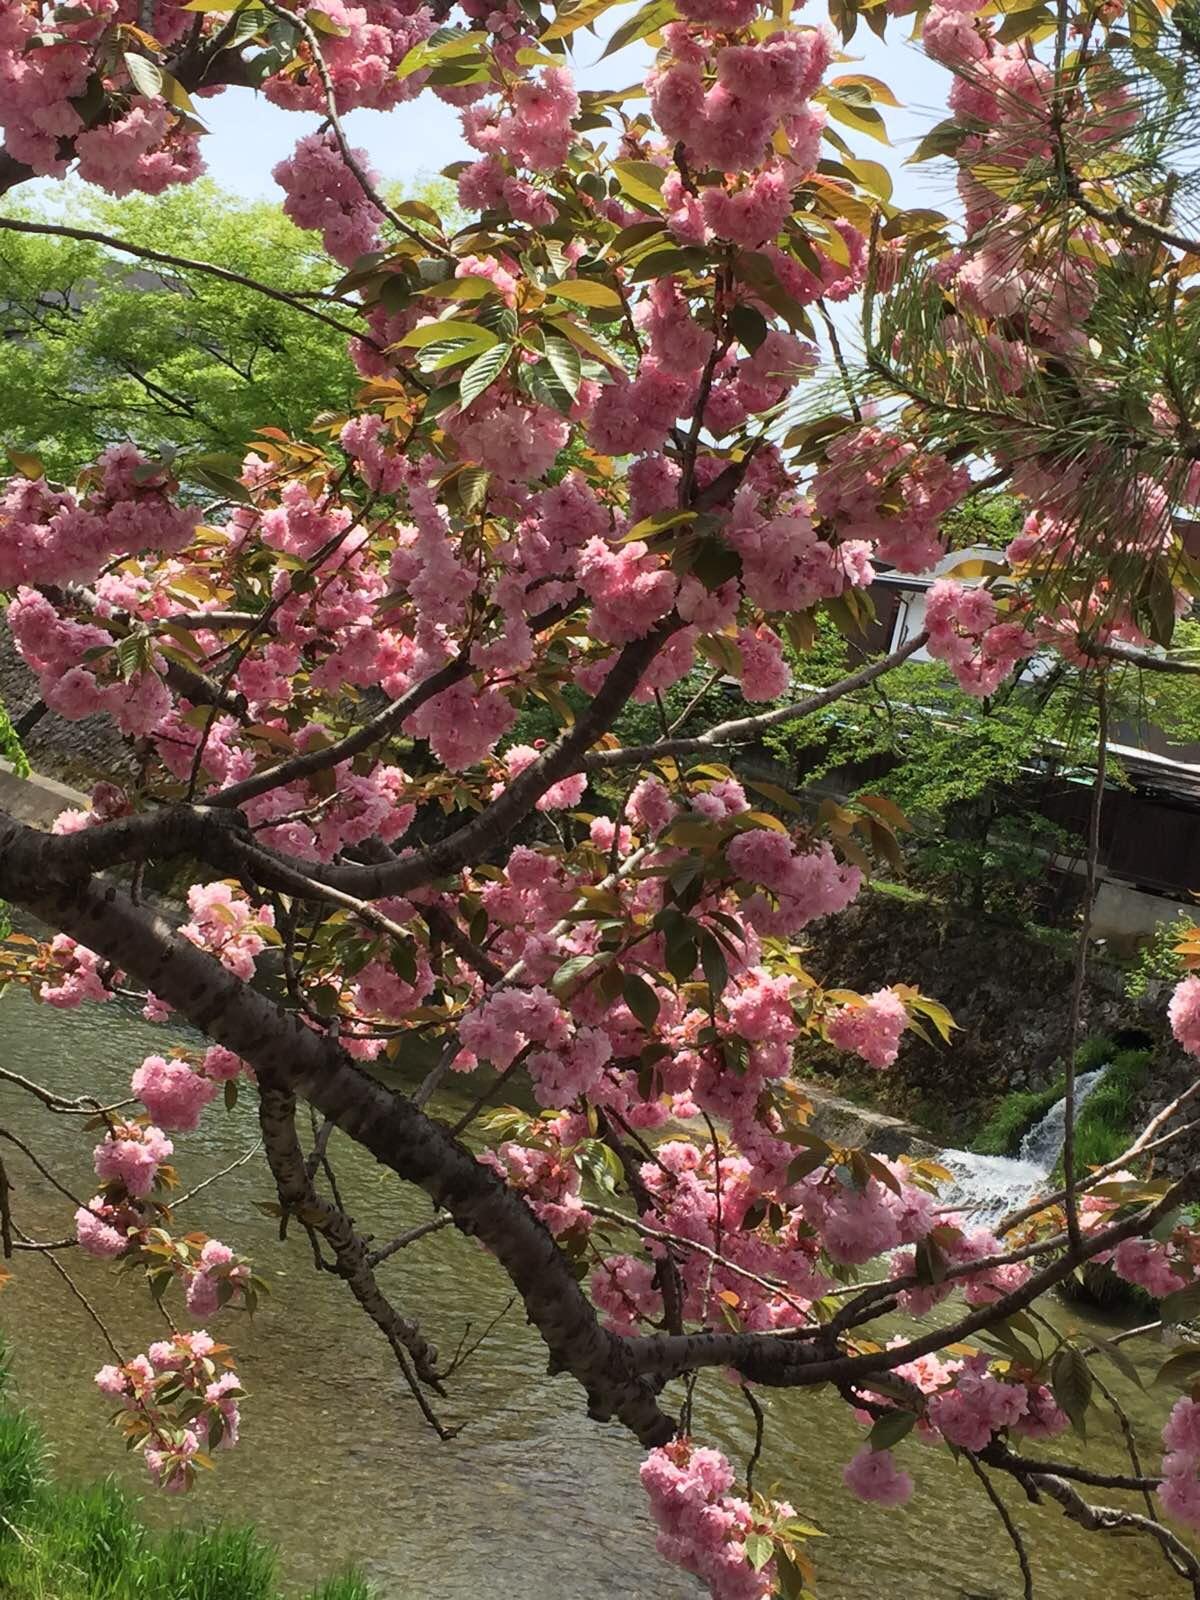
[
  {"x": 743, "y": 729},
  {"x": 315, "y": 1068}
]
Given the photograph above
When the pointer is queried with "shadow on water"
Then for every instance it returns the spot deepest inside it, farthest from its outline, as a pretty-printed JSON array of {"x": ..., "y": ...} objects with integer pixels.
[{"x": 530, "y": 1499}]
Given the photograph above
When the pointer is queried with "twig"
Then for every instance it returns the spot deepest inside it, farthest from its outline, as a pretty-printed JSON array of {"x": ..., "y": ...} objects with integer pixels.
[
  {"x": 755, "y": 1455},
  {"x": 403, "y": 1240},
  {"x": 81, "y": 1297},
  {"x": 304, "y": 27},
  {"x": 745, "y": 728},
  {"x": 40, "y": 1165},
  {"x": 468, "y": 1117},
  {"x": 91, "y": 235},
  {"x": 217, "y": 1176},
  {"x": 1107, "y": 1519},
  {"x": 1010, "y": 1526},
  {"x": 1081, "y": 954}
]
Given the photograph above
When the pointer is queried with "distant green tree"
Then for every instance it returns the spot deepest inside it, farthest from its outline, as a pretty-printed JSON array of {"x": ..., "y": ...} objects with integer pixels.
[
  {"x": 97, "y": 347},
  {"x": 961, "y": 766}
]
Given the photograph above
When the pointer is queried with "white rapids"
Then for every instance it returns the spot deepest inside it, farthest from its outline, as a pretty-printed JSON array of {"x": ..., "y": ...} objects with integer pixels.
[{"x": 986, "y": 1187}]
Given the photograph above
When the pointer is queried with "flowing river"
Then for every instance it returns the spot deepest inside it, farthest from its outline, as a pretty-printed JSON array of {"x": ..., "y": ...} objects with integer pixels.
[{"x": 531, "y": 1499}]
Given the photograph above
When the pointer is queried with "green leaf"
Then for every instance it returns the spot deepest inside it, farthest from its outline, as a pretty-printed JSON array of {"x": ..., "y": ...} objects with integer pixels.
[
  {"x": 569, "y": 971},
  {"x": 567, "y": 22},
  {"x": 482, "y": 372},
  {"x": 450, "y": 328},
  {"x": 641, "y": 181},
  {"x": 646, "y": 20},
  {"x": 800, "y": 1167},
  {"x": 641, "y": 999},
  {"x": 1180, "y": 1364},
  {"x": 759, "y": 1548},
  {"x": 888, "y": 1431},
  {"x": 748, "y": 325},
  {"x": 565, "y": 360},
  {"x": 1071, "y": 1384},
  {"x": 322, "y": 22},
  {"x": 1181, "y": 1306},
  {"x": 1120, "y": 1360},
  {"x": 146, "y": 75},
  {"x": 587, "y": 341},
  {"x": 26, "y": 463},
  {"x": 716, "y": 968},
  {"x": 586, "y": 292}
]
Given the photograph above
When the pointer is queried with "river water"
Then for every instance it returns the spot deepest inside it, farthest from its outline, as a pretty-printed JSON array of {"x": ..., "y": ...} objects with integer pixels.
[{"x": 531, "y": 1499}]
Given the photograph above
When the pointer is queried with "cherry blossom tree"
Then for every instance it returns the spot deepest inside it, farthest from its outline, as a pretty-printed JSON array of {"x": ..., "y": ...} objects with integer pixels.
[{"x": 607, "y": 430}]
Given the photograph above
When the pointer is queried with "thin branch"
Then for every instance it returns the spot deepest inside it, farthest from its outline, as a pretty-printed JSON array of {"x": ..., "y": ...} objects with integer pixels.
[
  {"x": 403, "y": 1240},
  {"x": 217, "y": 1176},
  {"x": 186, "y": 263},
  {"x": 1070, "y": 1198},
  {"x": 1005, "y": 1516},
  {"x": 361, "y": 177},
  {"x": 81, "y": 1297},
  {"x": 41, "y": 1166},
  {"x": 744, "y": 729},
  {"x": 1109, "y": 1520}
]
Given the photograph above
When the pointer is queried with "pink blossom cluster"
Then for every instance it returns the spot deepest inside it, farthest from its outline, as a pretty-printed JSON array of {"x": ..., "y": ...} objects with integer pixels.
[
  {"x": 978, "y": 1406},
  {"x": 1183, "y": 1010},
  {"x": 729, "y": 126},
  {"x": 172, "y": 1093},
  {"x": 1179, "y": 1492},
  {"x": 854, "y": 1223},
  {"x": 960, "y": 1246},
  {"x": 130, "y": 1155},
  {"x": 965, "y": 632},
  {"x": 224, "y": 923},
  {"x": 216, "y": 1277},
  {"x": 803, "y": 885},
  {"x": 513, "y": 437},
  {"x": 545, "y": 1170},
  {"x": 46, "y": 62},
  {"x": 104, "y": 1228},
  {"x": 55, "y": 536},
  {"x": 786, "y": 565},
  {"x": 560, "y": 796},
  {"x": 147, "y": 149},
  {"x": 181, "y": 1402},
  {"x": 871, "y": 1030},
  {"x": 463, "y": 724},
  {"x": 323, "y": 193},
  {"x": 78, "y": 974},
  {"x": 876, "y": 486},
  {"x": 362, "y": 50},
  {"x": 874, "y": 1475},
  {"x": 629, "y": 588},
  {"x": 1154, "y": 1265},
  {"x": 702, "y": 1526},
  {"x": 530, "y": 130}
]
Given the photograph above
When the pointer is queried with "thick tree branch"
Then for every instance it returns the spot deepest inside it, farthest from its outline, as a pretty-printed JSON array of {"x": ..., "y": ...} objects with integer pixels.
[{"x": 315, "y": 1068}]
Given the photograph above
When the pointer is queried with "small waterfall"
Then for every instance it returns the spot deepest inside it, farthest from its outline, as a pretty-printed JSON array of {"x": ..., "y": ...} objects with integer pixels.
[{"x": 986, "y": 1187}]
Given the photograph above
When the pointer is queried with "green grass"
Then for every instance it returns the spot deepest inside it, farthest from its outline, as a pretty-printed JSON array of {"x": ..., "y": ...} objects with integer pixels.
[
  {"x": 1012, "y": 1118},
  {"x": 60, "y": 1543},
  {"x": 1104, "y": 1126}
]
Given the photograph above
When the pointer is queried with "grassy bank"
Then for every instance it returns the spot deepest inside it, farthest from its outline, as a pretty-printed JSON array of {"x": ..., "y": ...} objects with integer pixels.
[
  {"x": 1012, "y": 1118},
  {"x": 60, "y": 1543}
]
